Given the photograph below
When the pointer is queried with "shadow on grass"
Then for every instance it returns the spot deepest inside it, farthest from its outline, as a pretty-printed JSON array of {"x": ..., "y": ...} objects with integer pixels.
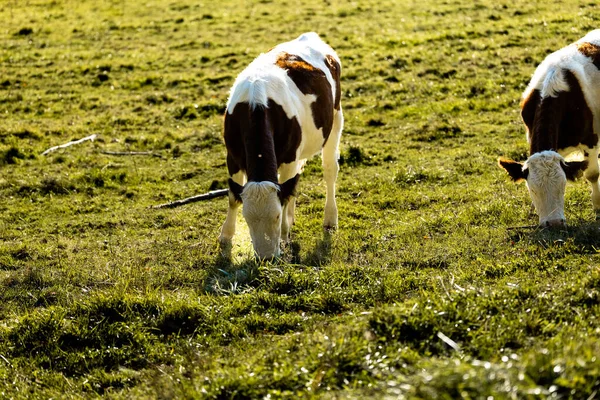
[
  {"x": 583, "y": 234},
  {"x": 227, "y": 276},
  {"x": 321, "y": 254}
]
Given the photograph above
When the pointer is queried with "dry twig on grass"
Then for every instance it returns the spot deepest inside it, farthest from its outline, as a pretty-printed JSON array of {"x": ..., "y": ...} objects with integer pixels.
[
  {"x": 522, "y": 227},
  {"x": 130, "y": 153},
  {"x": 71, "y": 143},
  {"x": 206, "y": 196}
]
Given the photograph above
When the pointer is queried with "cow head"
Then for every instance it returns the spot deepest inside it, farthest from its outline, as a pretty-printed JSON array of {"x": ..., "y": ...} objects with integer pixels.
[
  {"x": 546, "y": 174},
  {"x": 263, "y": 206}
]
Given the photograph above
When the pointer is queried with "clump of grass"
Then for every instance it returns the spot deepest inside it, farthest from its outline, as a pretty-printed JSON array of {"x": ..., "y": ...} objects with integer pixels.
[
  {"x": 12, "y": 156},
  {"x": 48, "y": 185},
  {"x": 406, "y": 177},
  {"x": 208, "y": 141},
  {"x": 99, "y": 178},
  {"x": 26, "y": 31},
  {"x": 211, "y": 108},
  {"x": 186, "y": 113},
  {"x": 355, "y": 156},
  {"x": 421, "y": 292},
  {"x": 159, "y": 98},
  {"x": 26, "y": 134},
  {"x": 437, "y": 132},
  {"x": 97, "y": 336}
]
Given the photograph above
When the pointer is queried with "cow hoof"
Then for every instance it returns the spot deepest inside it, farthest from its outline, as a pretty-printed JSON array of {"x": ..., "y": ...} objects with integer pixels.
[
  {"x": 224, "y": 241},
  {"x": 329, "y": 228},
  {"x": 225, "y": 247}
]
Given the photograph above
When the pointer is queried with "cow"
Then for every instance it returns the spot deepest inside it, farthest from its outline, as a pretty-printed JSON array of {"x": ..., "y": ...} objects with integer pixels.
[
  {"x": 282, "y": 109},
  {"x": 561, "y": 111}
]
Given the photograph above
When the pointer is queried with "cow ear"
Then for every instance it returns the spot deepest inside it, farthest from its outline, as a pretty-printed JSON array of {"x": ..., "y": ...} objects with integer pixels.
[
  {"x": 236, "y": 190},
  {"x": 515, "y": 169},
  {"x": 288, "y": 189},
  {"x": 574, "y": 169}
]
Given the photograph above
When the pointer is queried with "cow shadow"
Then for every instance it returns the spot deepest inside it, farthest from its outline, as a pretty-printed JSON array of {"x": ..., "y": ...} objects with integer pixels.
[
  {"x": 319, "y": 255},
  {"x": 229, "y": 275},
  {"x": 585, "y": 235},
  {"x": 291, "y": 253}
]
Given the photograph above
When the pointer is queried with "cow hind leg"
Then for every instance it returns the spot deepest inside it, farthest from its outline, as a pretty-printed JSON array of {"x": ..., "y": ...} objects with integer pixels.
[
  {"x": 591, "y": 174},
  {"x": 330, "y": 170}
]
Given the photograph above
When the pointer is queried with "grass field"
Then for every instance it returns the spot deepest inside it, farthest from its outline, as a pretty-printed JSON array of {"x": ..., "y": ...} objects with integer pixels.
[{"x": 431, "y": 288}]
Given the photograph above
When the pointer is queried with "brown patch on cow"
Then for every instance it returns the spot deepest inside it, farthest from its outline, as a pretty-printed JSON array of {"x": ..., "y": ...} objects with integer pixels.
[
  {"x": 529, "y": 106},
  {"x": 562, "y": 121},
  {"x": 311, "y": 80},
  {"x": 289, "y": 61},
  {"x": 259, "y": 140},
  {"x": 592, "y": 51},
  {"x": 336, "y": 73},
  {"x": 287, "y": 133}
]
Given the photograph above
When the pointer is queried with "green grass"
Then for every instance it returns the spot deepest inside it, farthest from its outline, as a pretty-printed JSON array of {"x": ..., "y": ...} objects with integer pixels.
[{"x": 429, "y": 289}]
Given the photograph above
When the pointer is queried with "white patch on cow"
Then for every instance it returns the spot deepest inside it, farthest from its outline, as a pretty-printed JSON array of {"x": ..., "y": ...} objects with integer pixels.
[
  {"x": 572, "y": 152},
  {"x": 549, "y": 77},
  {"x": 592, "y": 37},
  {"x": 262, "y": 211},
  {"x": 546, "y": 182},
  {"x": 263, "y": 80}
]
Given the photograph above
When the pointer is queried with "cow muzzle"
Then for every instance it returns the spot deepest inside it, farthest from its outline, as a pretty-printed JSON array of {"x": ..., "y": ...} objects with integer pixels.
[{"x": 554, "y": 223}]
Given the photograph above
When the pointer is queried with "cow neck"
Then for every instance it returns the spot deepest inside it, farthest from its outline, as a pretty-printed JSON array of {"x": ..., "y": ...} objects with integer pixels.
[
  {"x": 546, "y": 125},
  {"x": 261, "y": 161}
]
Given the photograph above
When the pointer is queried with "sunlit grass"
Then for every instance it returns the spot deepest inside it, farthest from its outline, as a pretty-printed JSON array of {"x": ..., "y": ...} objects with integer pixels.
[{"x": 102, "y": 295}]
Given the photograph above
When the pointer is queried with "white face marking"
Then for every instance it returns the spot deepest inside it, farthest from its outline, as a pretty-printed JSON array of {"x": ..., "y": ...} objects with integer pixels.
[
  {"x": 262, "y": 211},
  {"x": 546, "y": 182}
]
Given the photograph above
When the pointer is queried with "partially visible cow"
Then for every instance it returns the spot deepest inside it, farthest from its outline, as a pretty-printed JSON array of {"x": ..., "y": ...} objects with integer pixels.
[
  {"x": 282, "y": 109},
  {"x": 561, "y": 110}
]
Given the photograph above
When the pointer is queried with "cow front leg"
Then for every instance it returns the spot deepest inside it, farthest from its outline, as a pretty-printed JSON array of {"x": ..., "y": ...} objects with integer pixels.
[
  {"x": 591, "y": 174},
  {"x": 286, "y": 172},
  {"x": 288, "y": 220},
  {"x": 228, "y": 229},
  {"x": 330, "y": 171}
]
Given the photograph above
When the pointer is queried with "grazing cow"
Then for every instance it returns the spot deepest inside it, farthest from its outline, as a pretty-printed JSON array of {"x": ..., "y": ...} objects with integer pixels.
[
  {"x": 282, "y": 109},
  {"x": 561, "y": 110}
]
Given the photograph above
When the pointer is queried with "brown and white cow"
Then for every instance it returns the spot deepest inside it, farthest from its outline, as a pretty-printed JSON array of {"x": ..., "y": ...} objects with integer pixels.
[
  {"x": 282, "y": 109},
  {"x": 561, "y": 110}
]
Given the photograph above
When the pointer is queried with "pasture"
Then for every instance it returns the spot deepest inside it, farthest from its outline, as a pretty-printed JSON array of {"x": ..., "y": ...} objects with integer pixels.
[{"x": 434, "y": 286}]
